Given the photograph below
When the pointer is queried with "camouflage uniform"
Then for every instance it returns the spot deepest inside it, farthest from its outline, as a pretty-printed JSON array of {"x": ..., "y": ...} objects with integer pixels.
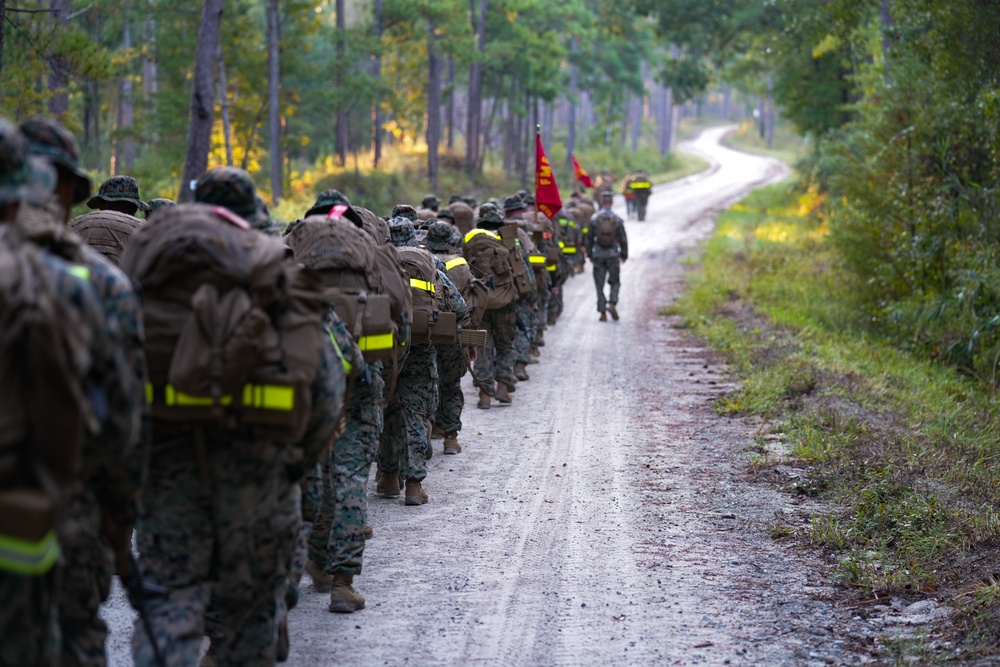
[
  {"x": 607, "y": 261},
  {"x": 119, "y": 193},
  {"x": 89, "y": 564},
  {"x": 406, "y": 437},
  {"x": 29, "y": 633}
]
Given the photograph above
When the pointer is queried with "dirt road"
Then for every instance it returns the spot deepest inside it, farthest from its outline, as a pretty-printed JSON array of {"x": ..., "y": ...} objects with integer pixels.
[{"x": 603, "y": 518}]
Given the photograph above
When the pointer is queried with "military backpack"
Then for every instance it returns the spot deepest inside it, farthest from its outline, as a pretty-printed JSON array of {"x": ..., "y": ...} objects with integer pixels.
[
  {"x": 606, "y": 229},
  {"x": 107, "y": 232},
  {"x": 433, "y": 321},
  {"x": 490, "y": 261}
]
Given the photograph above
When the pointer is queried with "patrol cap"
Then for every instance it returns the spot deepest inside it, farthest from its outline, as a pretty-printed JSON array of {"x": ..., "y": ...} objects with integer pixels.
[
  {"x": 231, "y": 188},
  {"x": 442, "y": 237},
  {"x": 50, "y": 140},
  {"x": 118, "y": 189},
  {"x": 22, "y": 177}
]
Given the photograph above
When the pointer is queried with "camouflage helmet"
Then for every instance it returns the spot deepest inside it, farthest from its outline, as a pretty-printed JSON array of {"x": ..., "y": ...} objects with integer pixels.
[
  {"x": 118, "y": 189},
  {"x": 489, "y": 216},
  {"x": 442, "y": 237},
  {"x": 404, "y": 211},
  {"x": 22, "y": 178},
  {"x": 430, "y": 201},
  {"x": 50, "y": 140},
  {"x": 401, "y": 232},
  {"x": 231, "y": 188}
]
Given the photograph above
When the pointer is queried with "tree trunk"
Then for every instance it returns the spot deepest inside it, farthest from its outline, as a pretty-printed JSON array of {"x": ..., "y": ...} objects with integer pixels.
[
  {"x": 377, "y": 75},
  {"x": 59, "y": 101},
  {"x": 340, "y": 131},
  {"x": 885, "y": 16},
  {"x": 274, "y": 105},
  {"x": 571, "y": 112},
  {"x": 473, "y": 153},
  {"x": 3, "y": 17},
  {"x": 202, "y": 97},
  {"x": 450, "y": 107},
  {"x": 125, "y": 145},
  {"x": 227, "y": 126},
  {"x": 433, "y": 133}
]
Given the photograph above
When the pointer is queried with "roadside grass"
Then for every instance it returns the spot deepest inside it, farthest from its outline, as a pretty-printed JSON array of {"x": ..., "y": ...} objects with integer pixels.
[
  {"x": 787, "y": 146},
  {"x": 905, "y": 450}
]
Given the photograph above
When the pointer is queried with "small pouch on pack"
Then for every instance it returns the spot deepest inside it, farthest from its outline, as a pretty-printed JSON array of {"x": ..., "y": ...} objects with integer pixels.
[
  {"x": 472, "y": 337},
  {"x": 25, "y": 515},
  {"x": 508, "y": 234},
  {"x": 378, "y": 330},
  {"x": 420, "y": 328},
  {"x": 552, "y": 254},
  {"x": 444, "y": 330}
]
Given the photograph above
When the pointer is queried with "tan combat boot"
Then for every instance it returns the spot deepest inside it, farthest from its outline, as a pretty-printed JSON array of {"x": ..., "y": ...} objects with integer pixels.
[
  {"x": 321, "y": 580},
  {"x": 368, "y": 532},
  {"x": 484, "y": 400},
  {"x": 502, "y": 394},
  {"x": 603, "y": 317},
  {"x": 451, "y": 445},
  {"x": 436, "y": 432},
  {"x": 521, "y": 372},
  {"x": 613, "y": 310},
  {"x": 387, "y": 485},
  {"x": 415, "y": 494},
  {"x": 282, "y": 649},
  {"x": 343, "y": 598}
]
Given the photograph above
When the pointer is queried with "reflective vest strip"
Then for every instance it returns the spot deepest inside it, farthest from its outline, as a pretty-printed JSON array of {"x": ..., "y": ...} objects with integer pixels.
[
  {"x": 259, "y": 396},
  {"x": 476, "y": 232},
  {"x": 451, "y": 264},
  {"x": 642, "y": 185},
  {"x": 77, "y": 271},
  {"x": 551, "y": 268},
  {"x": 423, "y": 285},
  {"x": 376, "y": 342},
  {"x": 28, "y": 558},
  {"x": 536, "y": 259},
  {"x": 340, "y": 353}
]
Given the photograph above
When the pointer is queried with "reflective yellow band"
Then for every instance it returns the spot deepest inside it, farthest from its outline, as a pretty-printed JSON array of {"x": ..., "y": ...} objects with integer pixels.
[
  {"x": 586, "y": 229},
  {"x": 424, "y": 285},
  {"x": 259, "y": 396},
  {"x": 551, "y": 268},
  {"x": 81, "y": 272},
  {"x": 563, "y": 222},
  {"x": 641, "y": 185},
  {"x": 340, "y": 353},
  {"x": 569, "y": 250},
  {"x": 536, "y": 259},
  {"x": 451, "y": 264},
  {"x": 476, "y": 232},
  {"x": 377, "y": 342},
  {"x": 28, "y": 558}
]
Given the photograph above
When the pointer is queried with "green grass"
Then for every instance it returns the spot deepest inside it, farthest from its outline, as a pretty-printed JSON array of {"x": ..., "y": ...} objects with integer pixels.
[
  {"x": 904, "y": 449},
  {"x": 786, "y": 145}
]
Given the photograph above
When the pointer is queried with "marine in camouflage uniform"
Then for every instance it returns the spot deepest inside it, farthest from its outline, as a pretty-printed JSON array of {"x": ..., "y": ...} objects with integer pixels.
[
  {"x": 526, "y": 337},
  {"x": 607, "y": 260},
  {"x": 101, "y": 506},
  {"x": 337, "y": 493},
  {"x": 406, "y": 436},
  {"x": 118, "y": 193},
  {"x": 29, "y": 632},
  {"x": 494, "y": 365}
]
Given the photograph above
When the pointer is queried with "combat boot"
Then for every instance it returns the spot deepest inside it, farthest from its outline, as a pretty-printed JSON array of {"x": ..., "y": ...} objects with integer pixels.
[
  {"x": 551, "y": 320},
  {"x": 603, "y": 317},
  {"x": 484, "y": 400},
  {"x": 436, "y": 432},
  {"x": 368, "y": 532},
  {"x": 387, "y": 485},
  {"x": 283, "y": 647},
  {"x": 343, "y": 598},
  {"x": 451, "y": 445},
  {"x": 613, "y": 310},
  {"x": 415, "y": 494},
  {"x": 502, "y": 394},
  {"x": 520, "y": 372},
  {"x": 321, "y": 580}
]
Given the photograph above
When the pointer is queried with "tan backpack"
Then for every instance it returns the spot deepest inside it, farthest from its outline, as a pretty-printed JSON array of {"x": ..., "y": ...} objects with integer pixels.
[
  {"x": 433, "y": 321},
  {"x": 474, "y": 291},
  {"x": 234, "y": 331},
  {"x": 606, "y": 229},
  {"x": 344, "y": 256},
  {"x": 107, "y": 232},
  {"x": 511, "y": 238},
  {"x": 45, "y": 406},
  {"x": 489, "y": 260}
]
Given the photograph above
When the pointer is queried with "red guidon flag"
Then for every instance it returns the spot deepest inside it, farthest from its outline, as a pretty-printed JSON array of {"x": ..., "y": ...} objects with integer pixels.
[
  {"x": 547, "y": 198},
  {"x": 580, "y": 175}
]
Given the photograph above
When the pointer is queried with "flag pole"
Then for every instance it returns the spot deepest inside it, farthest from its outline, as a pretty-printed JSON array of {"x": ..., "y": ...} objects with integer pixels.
[{"x": 538, "y": 134}]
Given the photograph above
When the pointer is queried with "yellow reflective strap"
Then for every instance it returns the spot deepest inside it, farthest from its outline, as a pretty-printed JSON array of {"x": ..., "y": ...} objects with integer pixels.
[
  {"x": 424, "y": 285},
  {"x": 278, "y": 398},
  {"x": 28, "y": 558},
  {"x": 563, "y": 222},
  {"x": 477, "y": 232},
  {"x": 343, "y": 360},
  {"x": 77, "y": 271},
  {"x": 586, "y": 229},
  {"x": 536, "y": 259},
  {"x": 259, "y": 396},
  {"x": 181, "y": 399},
  {"x": 551, "y": 268},
  {"x": 569, "y": 250},
  {"x": 641, "y": 185},
  {"x": 376, "y": 342},
  {"x": 149, "y": 393},
  {"x": 451, "y": 264}
]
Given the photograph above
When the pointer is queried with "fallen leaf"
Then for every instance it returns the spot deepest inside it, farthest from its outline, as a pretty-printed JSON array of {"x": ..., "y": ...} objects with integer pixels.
[
  {"x": 558, "y": 475},
  {"x": 704, "y": 645},
  {"x": 548, "y": 501}
]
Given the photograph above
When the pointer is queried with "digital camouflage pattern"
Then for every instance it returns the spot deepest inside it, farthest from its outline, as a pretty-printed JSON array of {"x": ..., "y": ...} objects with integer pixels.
[
  {"x": 232, "y": 188},
  {"x": 50, "y": 140},
  {"x": 404, "y": 211},
  {"x": 158, "y": 203},
  {"x": 495, "y": 362},
  {"x": 404, "y": 441},
  {"x": 118, "y": 189}
]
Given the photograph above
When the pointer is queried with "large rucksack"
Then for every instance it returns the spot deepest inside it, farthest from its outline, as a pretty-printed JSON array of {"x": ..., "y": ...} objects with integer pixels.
[
  {"x": 606, "y": 229},
  {"x": 107, "y": 232},
  {"x": 234, "y": 331},
  {"x": 433, "y": 321},
  {"x": 46, "y": 348},
  {"x": 344, "y": 255},
  {"x": 490, "y": 261},
  {"x": 474, "y": 291},
  {"x": 518, "y": 258}
]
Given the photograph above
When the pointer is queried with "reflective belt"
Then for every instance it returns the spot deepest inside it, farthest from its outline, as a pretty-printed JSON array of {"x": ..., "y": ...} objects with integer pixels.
[
  {"x": 424, "y": 285},
  {"x": 376, "y": 342},
  {"x": 340, "y": 353},
  {"x": 77, "y": 271},
  {"x": 551, "y": 268},
  {"x": 476, "y": 232},
  {"x": 563, "y": 222},
  {"x": 451, "y": 264},
  {"x": 536, "y": 259},
  {"x": 259, "y": 396},
  {"x": 567, "y": 249},
  {"x": 28, "y": 558},
  {"x": 642, "y": 185},
  {"x": 585, "y": 230}
]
